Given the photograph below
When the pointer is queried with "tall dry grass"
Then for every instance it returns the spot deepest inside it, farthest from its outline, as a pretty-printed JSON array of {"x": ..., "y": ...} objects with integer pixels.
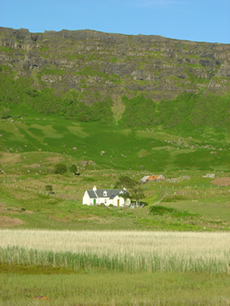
[{"x": 124, "y": 250}]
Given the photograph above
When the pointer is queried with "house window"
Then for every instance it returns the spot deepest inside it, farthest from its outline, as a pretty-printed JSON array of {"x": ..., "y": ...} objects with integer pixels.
[
  {"x": 105, "y": 194},
  {"x": 105, "y": 201}
]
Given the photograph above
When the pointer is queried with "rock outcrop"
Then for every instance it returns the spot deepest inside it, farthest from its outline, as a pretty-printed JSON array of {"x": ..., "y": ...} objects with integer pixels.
[{"x": 99, "y": 64}]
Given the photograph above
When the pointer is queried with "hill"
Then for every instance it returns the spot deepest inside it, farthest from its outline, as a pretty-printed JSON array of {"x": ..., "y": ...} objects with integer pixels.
[{"x": 134, "y": 80}]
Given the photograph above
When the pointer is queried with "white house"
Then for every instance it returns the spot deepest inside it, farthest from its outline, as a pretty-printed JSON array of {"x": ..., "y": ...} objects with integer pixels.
[{"x": 115, "y": 197}]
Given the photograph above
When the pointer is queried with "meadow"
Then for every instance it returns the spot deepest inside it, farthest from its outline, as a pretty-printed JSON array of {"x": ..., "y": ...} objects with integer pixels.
[
  {"x": 39, "y": 286},
  {"x": 36, "y": 141}
]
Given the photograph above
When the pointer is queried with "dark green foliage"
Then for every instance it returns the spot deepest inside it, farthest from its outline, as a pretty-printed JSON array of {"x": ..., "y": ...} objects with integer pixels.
[
  {"x": 99, "y": 111},
  {"x": 21, "y": 91},
  {"x": 186, "y": 111},
  {"x": 79, "y": 111},
  {"x": 190, "y": 110},
  {"x": 133, "y": 187},
  {"x": 49, "y": 188},
  {"x": 126, "y": 182},
  {"x": 73, "y": 169},
  {"x": 139, "y": 111},
  {"x": 60, "y": 169}
]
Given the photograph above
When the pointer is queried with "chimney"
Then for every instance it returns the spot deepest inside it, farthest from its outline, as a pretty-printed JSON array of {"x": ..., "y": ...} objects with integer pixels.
[{"x": 94, "y": 188}]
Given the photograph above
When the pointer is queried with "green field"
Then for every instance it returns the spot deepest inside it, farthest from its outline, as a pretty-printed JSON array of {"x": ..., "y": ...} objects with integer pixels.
[{"x": 61, "y": 287}]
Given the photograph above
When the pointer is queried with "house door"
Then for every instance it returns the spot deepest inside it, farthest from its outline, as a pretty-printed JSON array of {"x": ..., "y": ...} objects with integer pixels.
[
  {"x": 118, "y": 202},
  {"x": 94, "y": 201}
]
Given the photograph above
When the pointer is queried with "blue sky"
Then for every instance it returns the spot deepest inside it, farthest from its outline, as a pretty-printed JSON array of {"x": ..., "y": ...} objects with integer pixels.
[{"x": 196, "y": 20}]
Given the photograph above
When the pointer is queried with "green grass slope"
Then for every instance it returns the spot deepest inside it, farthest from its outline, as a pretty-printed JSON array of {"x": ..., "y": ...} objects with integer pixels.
[
  {"x": 32, "y": 144},
  {"x": 33, "y": 137}
]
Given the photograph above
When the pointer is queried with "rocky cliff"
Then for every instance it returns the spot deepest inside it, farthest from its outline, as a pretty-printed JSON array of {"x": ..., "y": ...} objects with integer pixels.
[{"x": 95, "y": 65}]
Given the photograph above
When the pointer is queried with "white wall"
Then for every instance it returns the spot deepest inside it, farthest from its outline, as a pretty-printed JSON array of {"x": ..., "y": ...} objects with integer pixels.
[{"x": 88, "y": 201}]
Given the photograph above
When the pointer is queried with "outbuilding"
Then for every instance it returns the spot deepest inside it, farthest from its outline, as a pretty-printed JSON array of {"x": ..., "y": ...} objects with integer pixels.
[{"x": 151, "y": 178}]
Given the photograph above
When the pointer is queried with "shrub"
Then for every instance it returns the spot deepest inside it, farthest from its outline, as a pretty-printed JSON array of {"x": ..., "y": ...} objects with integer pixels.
[
  {"x": 60, "y": 169},
  {"x": 73, "y": 169},
  {"x": 49, "y": 188}
]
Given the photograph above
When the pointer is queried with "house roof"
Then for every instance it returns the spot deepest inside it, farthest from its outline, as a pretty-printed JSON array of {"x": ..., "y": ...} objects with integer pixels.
[
  {"x": 152, "y": 178},
  {"x": 105, "y": 193}
]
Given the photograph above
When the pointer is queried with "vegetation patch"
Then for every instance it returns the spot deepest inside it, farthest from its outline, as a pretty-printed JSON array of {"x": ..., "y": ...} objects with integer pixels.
[
  {"x": 222, "y": 181},
  {"x": 30, "y": 269},
  {"x": 166, "y": 211},
  {"x": 6, "y": 222}
]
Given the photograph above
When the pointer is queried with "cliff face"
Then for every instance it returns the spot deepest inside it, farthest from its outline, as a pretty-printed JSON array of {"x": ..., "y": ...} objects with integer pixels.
[{"x": 96, "y": 65}]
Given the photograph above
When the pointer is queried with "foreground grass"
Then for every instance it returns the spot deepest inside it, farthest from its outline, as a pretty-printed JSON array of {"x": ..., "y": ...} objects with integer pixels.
[
  {"x": 98, "y": 287},
  {"x": 118, "y": 251}
]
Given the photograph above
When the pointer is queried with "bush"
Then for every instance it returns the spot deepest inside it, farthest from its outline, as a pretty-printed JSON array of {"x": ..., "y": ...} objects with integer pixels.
[
  {"x": 73, "y": 169},
  {"x": 60, "y": 169},
  {"x": 49, "y": 188}
]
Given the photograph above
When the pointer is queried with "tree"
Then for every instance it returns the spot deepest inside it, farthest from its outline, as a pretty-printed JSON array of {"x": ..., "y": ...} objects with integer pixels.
[
  {"x": 60, "y": 169},
  {"x": 132, "y": 186}
]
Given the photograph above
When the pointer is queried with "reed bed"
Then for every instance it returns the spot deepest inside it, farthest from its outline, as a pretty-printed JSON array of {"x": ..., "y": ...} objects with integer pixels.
[{"x": 118, "y": 250}]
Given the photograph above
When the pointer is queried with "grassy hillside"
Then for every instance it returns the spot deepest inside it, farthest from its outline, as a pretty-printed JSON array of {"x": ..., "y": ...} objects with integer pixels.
[
  {"x": 33, "y": 145},
  {"x": 33, "y": 140}
]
